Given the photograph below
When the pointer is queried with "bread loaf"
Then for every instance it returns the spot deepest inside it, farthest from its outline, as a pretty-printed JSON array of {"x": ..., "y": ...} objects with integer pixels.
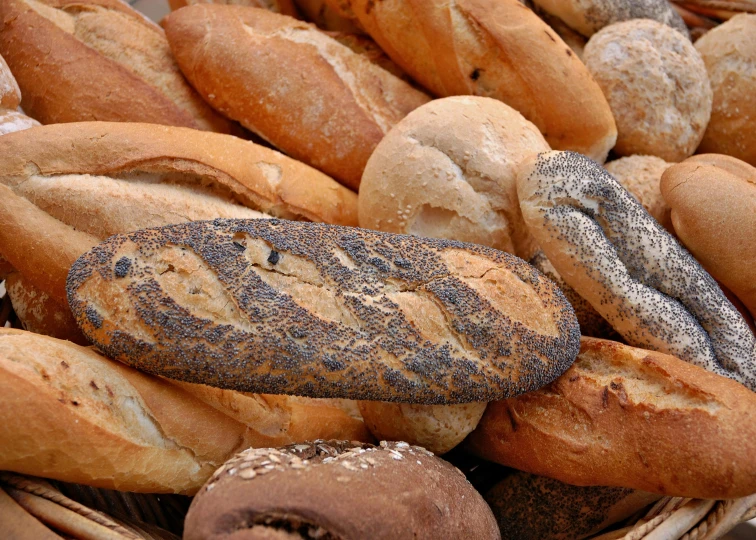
[
  {"x": 498, "y": 49},
  {"x": 307, "y": 309},
  {"x": 339, "y": 489},
  {"x": 641, "y": 176},
  {"x": 449, "y": 170},
  {"x": 106, "y": 61},
  {"x": 291, "y": 84},
  {"x": 285, "y": 7},
  {"x": 529, "y": 507},
  {"x": 101, "y": 423},
  {"x": 713, "y": 201},
  {"x": 10, "y": 93},
  {"x": 729, "y": 52},
  {"x": 627, "y": 417}
]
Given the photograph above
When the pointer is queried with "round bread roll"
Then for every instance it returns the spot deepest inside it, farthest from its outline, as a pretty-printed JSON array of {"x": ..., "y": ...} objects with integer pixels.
[
  {"x": 729, "y": 52},
  {"x": 640, "y": 175},
  {"x": 339, "y": 489},
  {"x": 635, "y": 274},
  {"x": 439, "y": 428},
  {"x": 713, "y": 200},
  {"x": 590, "y": 16},
  {"x": 530, "y": 507},
  {"x": 656, "y": 85},
  {"x": 448, "y": 170}
]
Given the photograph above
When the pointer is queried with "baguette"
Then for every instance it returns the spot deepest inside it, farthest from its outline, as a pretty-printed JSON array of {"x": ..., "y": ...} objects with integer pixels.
[
  {"x": 498, "y": 49},
  {"x": 100, "y": 423},
  {"x": 626, "y": 417},
  {"x": 107, "y": 61},
  {"x": 286, "y": 307},
  {"x": 291, "y": 84}
]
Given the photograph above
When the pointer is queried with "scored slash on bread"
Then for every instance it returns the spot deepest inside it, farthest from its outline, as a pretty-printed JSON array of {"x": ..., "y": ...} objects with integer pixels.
[{"x": 323, "y": 311}]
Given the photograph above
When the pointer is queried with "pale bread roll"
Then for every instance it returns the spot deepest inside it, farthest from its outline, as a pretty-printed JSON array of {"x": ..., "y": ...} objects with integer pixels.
[
  {"x": 641, "y": 176},
  {"x": 635, "y": 274},
  {"x": 590, "y": 16},
  {"x": 713, "y": 200},
  {"x": 729, "y": 52},
  {"x": 105, "y": 60},
  {"x": 656, "y": 85},
  {"x": 294, "y": 86},
  {"x": 101, "y": 423},
  {"x": 439, "y": 428},
  {"x": 628, "y": 417},
  {"x": 449, "y": 170},
  {"x": 497, "y": 49}
]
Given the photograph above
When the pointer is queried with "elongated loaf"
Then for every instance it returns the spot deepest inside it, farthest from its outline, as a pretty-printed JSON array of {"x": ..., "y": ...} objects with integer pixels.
[
  {"x": 101, "y": 423},
  {"x": 105, "y": 60},
  {"x": 286, "y": 307},
  {"x": 291, "y": 84},
  {"x": 498, "y": 49},
  {"x": 622, "y": 416}
]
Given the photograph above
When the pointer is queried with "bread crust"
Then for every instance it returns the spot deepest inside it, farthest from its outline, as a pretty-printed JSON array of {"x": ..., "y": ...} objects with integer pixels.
[
  {"x": 101, "y": 423},
  {"x": 498, "y": 49},
  {"x": 10, "y": 93},
  {"x": 339, "y": 489},
  {"x": 635, "y": 274},
  {"x": 100, "y": 55},
  {"x": 622, "y": 416},
  {"x": 323, "y": 311},
  {"x": 285, "y": 7},
  {"x": 291, "y": 84},
  {"x": 713, "y": 200},
  {"x": 641, "y": 176},
  {"x": 729, "y": 52}
]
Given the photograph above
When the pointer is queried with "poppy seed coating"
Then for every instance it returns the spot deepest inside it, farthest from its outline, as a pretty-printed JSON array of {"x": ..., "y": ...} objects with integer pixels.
[
  {"x": 282, "y": 307},
  {"x": 632, "y": 271}
]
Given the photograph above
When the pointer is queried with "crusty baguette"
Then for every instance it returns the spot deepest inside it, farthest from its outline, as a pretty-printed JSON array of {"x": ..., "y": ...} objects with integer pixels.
[
  {"x": 101, "y": 423},
  {"x": 498, "y": 49},
  {"x": 291, "y": 84},
  {"x": 287, "y": 307},
  {"x": 105, "y": 60},
  {"x": 627, "y": 417}
]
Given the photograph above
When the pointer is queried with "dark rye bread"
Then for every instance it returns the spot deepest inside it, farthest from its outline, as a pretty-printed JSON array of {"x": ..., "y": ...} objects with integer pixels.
[
  {"x": 286, "y": 307},
  {"x": 339, "y": 490}
]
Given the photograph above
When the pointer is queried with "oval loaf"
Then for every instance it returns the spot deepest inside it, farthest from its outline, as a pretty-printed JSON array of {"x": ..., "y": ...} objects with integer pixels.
[{"x": 285, "y": 307}]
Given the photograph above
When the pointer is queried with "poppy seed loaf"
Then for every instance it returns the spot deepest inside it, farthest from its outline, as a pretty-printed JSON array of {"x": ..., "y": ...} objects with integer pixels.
[{"x": 285, "y": 307}]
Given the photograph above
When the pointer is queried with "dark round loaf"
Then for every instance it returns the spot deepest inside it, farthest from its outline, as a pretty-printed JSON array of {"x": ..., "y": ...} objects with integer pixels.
[
  {"x": 283, "y": 307},
  {"x": 339, "y": 490}
]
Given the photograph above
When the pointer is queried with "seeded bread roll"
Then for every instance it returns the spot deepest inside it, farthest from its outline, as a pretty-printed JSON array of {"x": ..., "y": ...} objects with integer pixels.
[
  {"x": 291, "y": 84},
  {"x": 307, "y": 309},
  {"x": 498, "y": 49},
  {"x": 729, "y": 52},
  {"x": 107, "y": 61},
  {"x": 627, "y": 417},
  {"x": 339, "y": 489},
  {"x": 590, "y": 16},
  {"x": 100, "y": 423},
  {"x": 529, "y": 507},
  {"x": 286, "y": 7},
  {"x": 439, "y": 428},
  {"x": 635, "y": 274},
  {"x": 656, "y": 85},
  {"x": 641, "y": 176},
  {"x": 713, "y": 200},
  {"x": 449, "y": 170}
]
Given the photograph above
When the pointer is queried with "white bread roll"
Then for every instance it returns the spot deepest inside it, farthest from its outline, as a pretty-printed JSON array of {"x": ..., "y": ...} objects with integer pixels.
[{"x": 449, "y": 170}]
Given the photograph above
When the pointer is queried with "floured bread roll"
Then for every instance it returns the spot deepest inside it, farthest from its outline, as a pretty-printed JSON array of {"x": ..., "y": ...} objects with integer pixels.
[
  {"x": 608, "y": 248},
  {"x": 448, "y": 170}
]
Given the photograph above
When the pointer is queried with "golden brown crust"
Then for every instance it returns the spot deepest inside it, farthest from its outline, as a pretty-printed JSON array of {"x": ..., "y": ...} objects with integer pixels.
[
  {"x": 622, "y": 416},
  {"x": 10, "y": 94},
  {"x": 250, "y": 174},
  {"x": 285, "y": 7},
  {"x": 713, "y": 200},
  {"x": 107, "y": 62},
  {"x": 291, "y": 84},
  {"x": 323, "y": 311},
  {"x": 498, "y": 49},
  {"x": 729, "y": 52},
  {"x": 339, "y": 490}
]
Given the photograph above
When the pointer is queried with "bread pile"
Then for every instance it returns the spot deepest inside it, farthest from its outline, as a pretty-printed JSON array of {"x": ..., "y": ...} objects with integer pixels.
[{"x": 282, "y": 255}]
